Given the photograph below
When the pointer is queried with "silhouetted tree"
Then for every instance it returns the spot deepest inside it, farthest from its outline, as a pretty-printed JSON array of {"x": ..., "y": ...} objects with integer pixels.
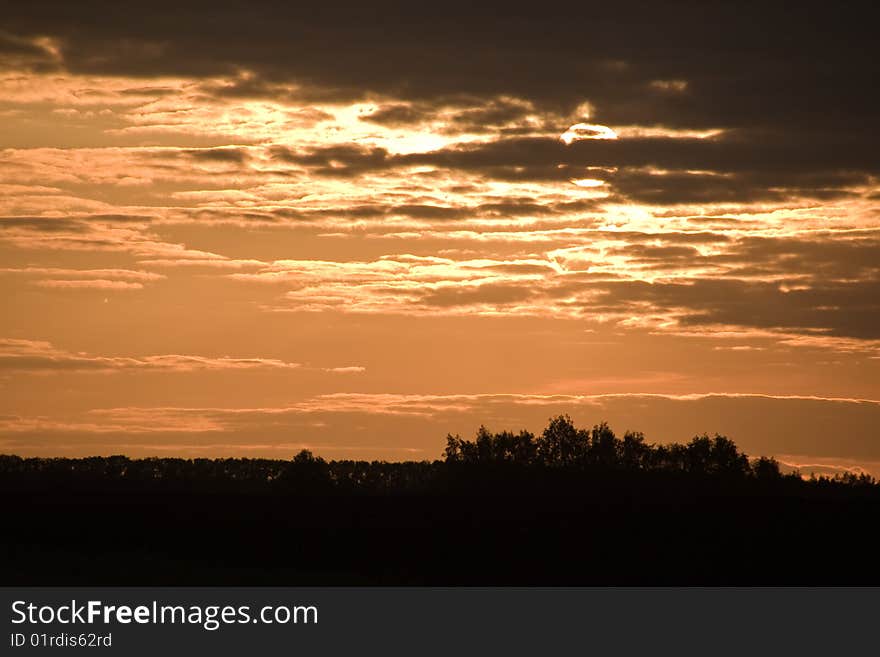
[
  {"x": 562, "y": 444},
  {"x": 715, "y": 456},
  {"x": 305, "y": 473},
  {"x": 633, "y": 451},
  {"x": 503, "y": 447},
  {"x": 603, "y": 446},
  {"x": 766, "y": 469},
  {"x": 563, "y": 455}
]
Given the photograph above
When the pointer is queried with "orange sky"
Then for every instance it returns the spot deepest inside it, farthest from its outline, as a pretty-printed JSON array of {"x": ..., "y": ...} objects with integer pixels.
[{"x": 238, "y": 256}]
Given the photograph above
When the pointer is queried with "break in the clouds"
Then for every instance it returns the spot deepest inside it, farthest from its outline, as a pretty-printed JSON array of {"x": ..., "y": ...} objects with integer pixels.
[{"x": 434, "y": 200}]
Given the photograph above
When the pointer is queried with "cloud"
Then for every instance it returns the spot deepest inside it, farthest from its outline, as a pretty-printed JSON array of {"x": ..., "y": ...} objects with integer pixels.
[
  {"x": 625, "y": 64},
  {"x": 84, "y": 279},
  {"x": 738, "y": 168},
  {"x": 84, "y": 274},
  {"x": 41, "y": 224},
  {"x": 809, "y": 466},
  {"x": 846, "y": 310},
  {"x": 90, "y": 284},
  {"x": 230, "y": 155},
  {"x": 34, "y": 53},
  {"x": 587, "y": 131},
  {"x": 39, "y": 356},
  {"x": 824, "y": 285}
]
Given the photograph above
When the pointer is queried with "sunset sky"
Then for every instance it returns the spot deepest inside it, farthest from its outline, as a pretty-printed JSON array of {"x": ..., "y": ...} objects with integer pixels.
[{"x": 238, "y": 231}]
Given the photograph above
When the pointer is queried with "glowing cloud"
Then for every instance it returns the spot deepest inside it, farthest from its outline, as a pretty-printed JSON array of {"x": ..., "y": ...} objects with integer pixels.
[
  {"x": 581, "y": 131},
  {"x": 588, "y": 182}
]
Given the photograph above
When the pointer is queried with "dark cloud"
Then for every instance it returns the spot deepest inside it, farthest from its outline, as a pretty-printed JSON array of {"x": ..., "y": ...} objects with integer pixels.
[
  {"x": 72, "y": 223},
  {"x": 824, "y": 258},
  {"x": 464, "y": 114},
  {"x": 116, "y": 218},
  {"x": 497, "y": 112},
  {"x": 824, "y": 286},
  {"x": 671, "y": 188},
  {"x": 837, "y": 309},
  {"x": 743, "y": 65},
  {"x": 230, "y": 155},
  {"x": 42, "y": 224},
  {"x": 34, "y": 54},
  {"x": 737, "y": 168},
  {"x": 646, "y": 252},
  {"x": 821, "y": 159},
  {"x": 343, "y": 161},
  {"x": 11, "y": 45},
  {"x": 791, "y": 89},
  {"x": 395, "y": 115},
  {"x": 693, "y": 238}
]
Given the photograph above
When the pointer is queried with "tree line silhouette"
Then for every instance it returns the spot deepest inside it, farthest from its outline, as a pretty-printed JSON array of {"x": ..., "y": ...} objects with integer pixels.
[
  {"x": 562, "y": 451},
  {"x": 562, "y": 445},
  {"x": 569, "y": 506}
]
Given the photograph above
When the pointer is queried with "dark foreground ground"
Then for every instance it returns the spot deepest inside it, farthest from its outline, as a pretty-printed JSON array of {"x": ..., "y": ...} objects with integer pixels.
[
  {"x": 481, "y": 531},
  {"x": 569, "y": 507}
]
